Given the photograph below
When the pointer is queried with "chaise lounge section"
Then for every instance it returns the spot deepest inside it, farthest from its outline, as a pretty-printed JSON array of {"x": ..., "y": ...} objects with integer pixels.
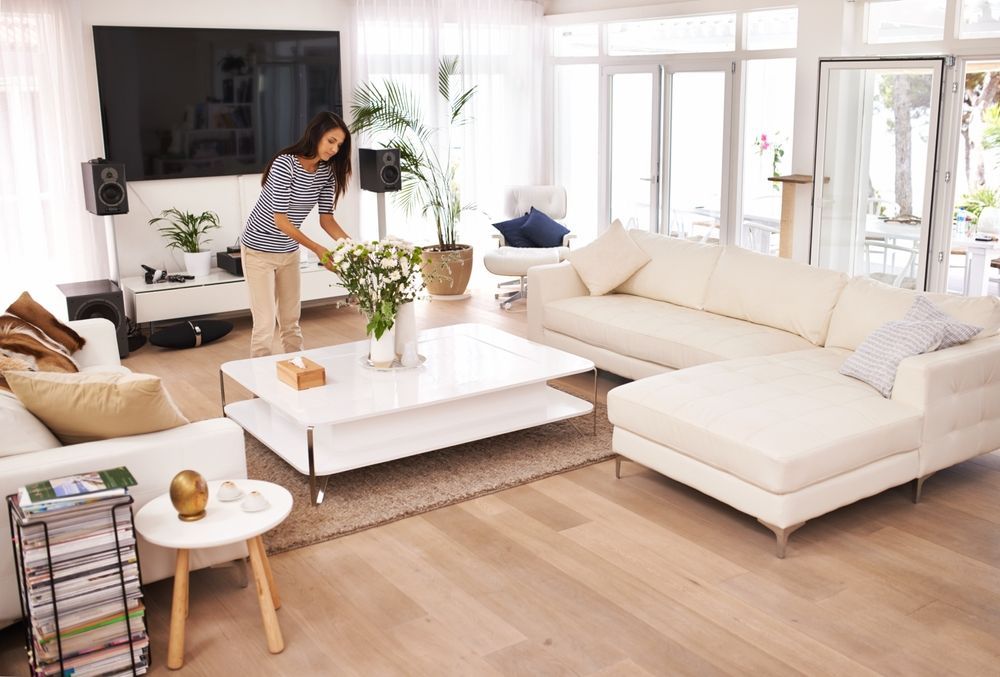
[{"x": 738, "y": 394}]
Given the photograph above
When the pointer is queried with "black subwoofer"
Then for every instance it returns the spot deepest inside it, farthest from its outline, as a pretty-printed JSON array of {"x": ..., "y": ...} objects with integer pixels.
[
  {"x": 98, "y": 298},
  {"x": 104, "y": 189},
  {"x": 380, "y": 171}
]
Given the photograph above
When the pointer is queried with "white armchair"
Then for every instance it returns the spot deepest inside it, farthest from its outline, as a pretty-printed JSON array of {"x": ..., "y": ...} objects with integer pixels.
[{"x": 507, "y": 261}]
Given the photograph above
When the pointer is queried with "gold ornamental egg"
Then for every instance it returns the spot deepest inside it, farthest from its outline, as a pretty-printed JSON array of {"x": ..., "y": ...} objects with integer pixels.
[{"x": 189, "y": 494}]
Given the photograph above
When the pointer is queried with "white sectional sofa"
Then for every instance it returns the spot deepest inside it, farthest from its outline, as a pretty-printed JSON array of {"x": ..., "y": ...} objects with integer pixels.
[
  {"x": 738, "y": 394},
  {"x": 214, "y": 448}
]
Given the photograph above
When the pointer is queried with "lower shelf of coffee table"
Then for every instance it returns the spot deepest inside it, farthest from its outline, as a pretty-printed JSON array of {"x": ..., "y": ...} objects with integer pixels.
[{"x": 397, "y": 434}]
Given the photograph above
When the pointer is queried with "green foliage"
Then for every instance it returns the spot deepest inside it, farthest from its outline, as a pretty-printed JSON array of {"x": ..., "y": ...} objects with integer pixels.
[
  {"x": 428, "y": 179},
  {"x": 976, "y": 200},
  {"x": 991, "y": 135},
  {"x": 185, "y": 229}
]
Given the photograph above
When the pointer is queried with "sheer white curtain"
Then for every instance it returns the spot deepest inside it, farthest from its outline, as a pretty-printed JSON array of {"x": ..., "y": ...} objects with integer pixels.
[
  {"x": 46, "y": 130},
  {"x": 500, "y": 45}
]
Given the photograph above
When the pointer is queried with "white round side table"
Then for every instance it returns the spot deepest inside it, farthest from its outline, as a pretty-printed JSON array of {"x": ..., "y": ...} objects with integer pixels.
[{"x": 224, "y": 523}]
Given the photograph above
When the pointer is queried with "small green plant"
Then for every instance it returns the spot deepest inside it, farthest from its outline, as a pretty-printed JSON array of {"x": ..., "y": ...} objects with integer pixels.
[
  {"x": 185, "y": 229},
  {"x": 979, "y": 198}
]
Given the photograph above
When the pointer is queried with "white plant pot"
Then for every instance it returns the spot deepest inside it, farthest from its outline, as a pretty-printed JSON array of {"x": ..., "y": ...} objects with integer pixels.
[
  {"x": 405, "y": 326},
  {"x": 989, "y": 221},
  {"x": 198, "y": 263},
  {"x": 382, "y": 351}
]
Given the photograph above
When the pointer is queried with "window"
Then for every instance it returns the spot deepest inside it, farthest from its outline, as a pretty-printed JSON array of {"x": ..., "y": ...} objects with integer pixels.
[
  {"x": 772, "y": 29},
  {"x": 576, "y": 145},
  {"x": 979, "y": 19},
  {"x": 905, "y": 20},
  {"x": 675, "y": 35},
  {"x": 575, "y": 40}
]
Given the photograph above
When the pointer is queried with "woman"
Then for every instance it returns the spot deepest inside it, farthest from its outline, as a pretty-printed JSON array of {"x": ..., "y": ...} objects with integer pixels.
[{"x": 312, "y": 171}]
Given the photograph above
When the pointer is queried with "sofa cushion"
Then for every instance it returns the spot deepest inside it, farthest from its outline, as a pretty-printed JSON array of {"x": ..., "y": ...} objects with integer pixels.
[
  {"x": 96, "y": 405},
  {"x": 678, "y": 270},
  {"x": 876, "y": 359},
  {"x": 663, "y": 333},
  {"x": 773, "y": 291},
  {"x": 866, "y": 304},
  {"x": 21, "y": 430},
  {"x": 23, "y": 346},
  {"x": 780, "y": 422},
  {"x": 607, "y": 261},
  {"x": 955, "y": 332},
  {"x": 511, "y": 231}
]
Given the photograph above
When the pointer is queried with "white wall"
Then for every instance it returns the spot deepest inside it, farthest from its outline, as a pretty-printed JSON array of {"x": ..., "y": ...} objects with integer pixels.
[{"x": 140, "y": 243}]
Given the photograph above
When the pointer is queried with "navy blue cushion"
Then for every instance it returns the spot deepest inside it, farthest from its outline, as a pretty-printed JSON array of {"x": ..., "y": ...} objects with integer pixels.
[
  {"x": 542, "y": 230},
  {"x": 512, "y": 235}
]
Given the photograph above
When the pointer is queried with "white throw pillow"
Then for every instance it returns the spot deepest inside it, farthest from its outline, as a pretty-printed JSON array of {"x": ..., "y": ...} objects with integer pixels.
[
  {"x": 22, "y": 432},
  {"x": 876, "y": 359},
  {"x": 608, "y": 261}
]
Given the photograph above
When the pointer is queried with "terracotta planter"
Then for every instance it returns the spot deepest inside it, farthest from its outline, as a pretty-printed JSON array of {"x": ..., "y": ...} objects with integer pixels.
[{"x": 447, "y": 272}]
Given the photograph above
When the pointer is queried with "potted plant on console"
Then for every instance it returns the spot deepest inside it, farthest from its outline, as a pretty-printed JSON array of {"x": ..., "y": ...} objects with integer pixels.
[
  {"x": 429, "y": 176},
  {"x": 184, "y": 231}
]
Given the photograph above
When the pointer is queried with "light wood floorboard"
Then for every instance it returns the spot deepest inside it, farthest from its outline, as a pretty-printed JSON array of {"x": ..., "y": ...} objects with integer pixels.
[{"x": 583, "y": 574}]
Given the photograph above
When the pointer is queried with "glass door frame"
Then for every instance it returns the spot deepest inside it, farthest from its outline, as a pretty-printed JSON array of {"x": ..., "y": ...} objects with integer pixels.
[
  {"x": 660, "y": 179},
  {"x": 930, "y": 209},
  {"x": 656, "y": 140}
]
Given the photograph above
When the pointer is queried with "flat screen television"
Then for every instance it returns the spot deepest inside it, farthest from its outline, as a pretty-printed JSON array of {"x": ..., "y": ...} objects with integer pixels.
[{"x": 180, "y": 102}]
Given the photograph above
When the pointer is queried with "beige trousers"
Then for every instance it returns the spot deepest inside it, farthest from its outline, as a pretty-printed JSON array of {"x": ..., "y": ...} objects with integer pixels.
[{"x": 275, "y": 286}]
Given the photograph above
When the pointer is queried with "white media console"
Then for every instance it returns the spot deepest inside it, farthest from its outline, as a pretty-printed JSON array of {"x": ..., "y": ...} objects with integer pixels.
[{"x": 219, "y": 292}]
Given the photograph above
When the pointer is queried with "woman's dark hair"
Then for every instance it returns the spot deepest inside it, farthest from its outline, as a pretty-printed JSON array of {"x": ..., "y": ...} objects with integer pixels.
[{"x": 307, "y": 145}]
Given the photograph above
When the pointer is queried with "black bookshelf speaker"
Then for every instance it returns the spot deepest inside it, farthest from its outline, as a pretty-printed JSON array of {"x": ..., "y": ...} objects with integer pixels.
[
  {"x": 380, "y": 171},
  {"x": 98, "y": 298},
  {"x": 104, "y": 189}
]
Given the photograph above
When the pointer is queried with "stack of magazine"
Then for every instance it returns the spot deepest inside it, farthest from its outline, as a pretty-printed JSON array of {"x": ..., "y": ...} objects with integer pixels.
[{"x": 75, "y": 541}]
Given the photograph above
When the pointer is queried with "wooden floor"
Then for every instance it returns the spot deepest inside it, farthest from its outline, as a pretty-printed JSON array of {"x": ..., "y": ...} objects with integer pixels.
[{"x": 582, "y": 574}]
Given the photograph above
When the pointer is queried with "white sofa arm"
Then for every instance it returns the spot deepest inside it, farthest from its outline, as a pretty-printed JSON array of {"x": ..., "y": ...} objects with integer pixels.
[
  {"x": 546, "y": 284},
  {"x": 101, "y": 347},
  {"x": 214, "y": 448},
  {"x": 958, "y": 390}
]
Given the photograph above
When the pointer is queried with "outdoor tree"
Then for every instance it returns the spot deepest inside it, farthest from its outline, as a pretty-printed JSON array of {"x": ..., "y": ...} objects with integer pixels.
[
  {"x": 982, "y": 91},
  {"x": 908, "y": 97}
]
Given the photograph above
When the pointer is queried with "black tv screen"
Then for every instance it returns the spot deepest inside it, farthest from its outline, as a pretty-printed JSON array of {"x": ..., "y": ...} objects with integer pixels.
[{"x": 179, "y": 102}]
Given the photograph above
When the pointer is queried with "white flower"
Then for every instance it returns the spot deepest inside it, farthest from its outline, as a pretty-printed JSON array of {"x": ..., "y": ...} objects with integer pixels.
[
  {"x": 394, "y": 276},
  {"x": 404, "y": 265},
  {"x": 389, "y": 262}
]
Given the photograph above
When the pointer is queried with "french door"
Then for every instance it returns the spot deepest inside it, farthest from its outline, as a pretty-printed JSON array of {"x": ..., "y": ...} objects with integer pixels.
[
  {"x": 668, "y": 148},
  {"x": 877, "y": 133}
]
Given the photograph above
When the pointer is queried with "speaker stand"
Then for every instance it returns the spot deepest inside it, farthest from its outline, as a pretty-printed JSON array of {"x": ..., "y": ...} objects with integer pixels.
[
  {"x": 380, "y": 200},
  {"x": 112, "y": 241}
]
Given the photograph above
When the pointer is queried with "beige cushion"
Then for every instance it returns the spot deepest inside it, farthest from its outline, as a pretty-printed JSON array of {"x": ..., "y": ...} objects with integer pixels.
[
  {"x": 608, "y": 261},
  {"x": 773, "y": 291},
  {"x": 21, "y": 431},
  {"x": 663, "y": 333},
  {"x": 781, "y": 422},
  {"x": 678, "y": 270},
  {"x": 96, "y": 405},
  {"x": 866, "y": 304}
]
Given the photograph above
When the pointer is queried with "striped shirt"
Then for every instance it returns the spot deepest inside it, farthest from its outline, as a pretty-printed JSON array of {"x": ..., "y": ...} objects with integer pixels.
[{"x": 292, "y": 191}]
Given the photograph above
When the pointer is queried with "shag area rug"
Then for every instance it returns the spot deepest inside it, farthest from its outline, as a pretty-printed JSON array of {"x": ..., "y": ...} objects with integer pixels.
[{"x": 366, "y": 497}]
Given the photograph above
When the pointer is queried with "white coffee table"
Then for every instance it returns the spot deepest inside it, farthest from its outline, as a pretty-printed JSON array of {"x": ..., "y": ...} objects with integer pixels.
[
  {"x": 224, "y": 523},
  {"x": 477, "y": 382}
]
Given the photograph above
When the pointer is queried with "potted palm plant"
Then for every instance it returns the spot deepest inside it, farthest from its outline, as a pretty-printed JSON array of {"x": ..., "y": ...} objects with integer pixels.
[
  {"x": 394, "y": 114},
  {"x": 184, "y": 231}
]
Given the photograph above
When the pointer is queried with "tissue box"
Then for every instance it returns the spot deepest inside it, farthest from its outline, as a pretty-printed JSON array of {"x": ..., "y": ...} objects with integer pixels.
[{"x": 312, "y": 376}]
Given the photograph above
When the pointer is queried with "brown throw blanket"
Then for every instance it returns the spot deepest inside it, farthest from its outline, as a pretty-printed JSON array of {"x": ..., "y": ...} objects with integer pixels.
[{"x": 32, "y": 339}]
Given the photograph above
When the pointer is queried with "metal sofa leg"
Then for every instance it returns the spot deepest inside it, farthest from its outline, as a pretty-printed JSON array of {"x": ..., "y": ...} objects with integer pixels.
[
  {"x": 781, "y": 534},
  {"x": 918, "y": 486},
  {"x": 618, "y": 467}
]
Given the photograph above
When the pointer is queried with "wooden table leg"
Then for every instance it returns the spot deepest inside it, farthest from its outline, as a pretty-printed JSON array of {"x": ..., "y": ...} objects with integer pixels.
[
  {"x": 267, "y": 571},
  {"x": 275, "y": 643},
  {"x": 178, "y": 612}
]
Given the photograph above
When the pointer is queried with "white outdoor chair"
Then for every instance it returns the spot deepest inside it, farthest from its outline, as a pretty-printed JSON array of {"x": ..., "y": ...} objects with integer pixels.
[{"x": 507, "y": 261}]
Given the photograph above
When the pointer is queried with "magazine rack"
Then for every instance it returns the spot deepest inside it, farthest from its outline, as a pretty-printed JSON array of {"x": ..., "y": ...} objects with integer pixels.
[{"x": 18, "y": 527}]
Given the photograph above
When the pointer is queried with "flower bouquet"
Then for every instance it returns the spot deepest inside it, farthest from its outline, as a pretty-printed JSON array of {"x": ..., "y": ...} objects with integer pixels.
[{"x": 380, "y": 276}]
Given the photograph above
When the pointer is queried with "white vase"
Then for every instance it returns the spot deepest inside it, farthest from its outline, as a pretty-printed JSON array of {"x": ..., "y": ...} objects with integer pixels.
[
  {"x": 382, "y": 351},
  {"x": 405, "y": 326},
  {"x": 197, "y": 263}
]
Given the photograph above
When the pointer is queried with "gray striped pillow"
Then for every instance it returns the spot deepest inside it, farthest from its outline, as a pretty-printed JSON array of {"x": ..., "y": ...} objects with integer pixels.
[
  {"x": 876, "y": 359},
  {"x": 955, "y": 332}
]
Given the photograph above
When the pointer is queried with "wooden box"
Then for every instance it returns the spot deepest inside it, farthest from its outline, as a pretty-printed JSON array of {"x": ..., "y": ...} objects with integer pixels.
[{"x": 312, "y": 376}]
